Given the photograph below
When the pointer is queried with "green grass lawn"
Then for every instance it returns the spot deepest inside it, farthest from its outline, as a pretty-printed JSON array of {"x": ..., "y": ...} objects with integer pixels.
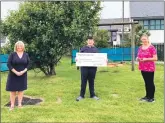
[{"x": 119, "y": 90}]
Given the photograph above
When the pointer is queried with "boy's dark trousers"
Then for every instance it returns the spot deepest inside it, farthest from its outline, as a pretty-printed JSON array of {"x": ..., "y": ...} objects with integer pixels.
[
  {"x": 149, "y": 83},
  {"x": 87, "y": 74}
]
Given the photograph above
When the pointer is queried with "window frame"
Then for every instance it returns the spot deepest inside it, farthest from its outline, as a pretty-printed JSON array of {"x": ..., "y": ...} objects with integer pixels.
[{"x": 152, "y": 24}]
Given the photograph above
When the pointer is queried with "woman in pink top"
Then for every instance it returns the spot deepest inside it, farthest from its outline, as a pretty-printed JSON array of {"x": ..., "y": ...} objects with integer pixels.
[{"x": 146, "y": 56}]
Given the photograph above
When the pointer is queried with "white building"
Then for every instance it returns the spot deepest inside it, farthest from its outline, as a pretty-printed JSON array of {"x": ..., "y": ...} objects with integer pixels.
[
  {"x": 115, "y": 30},
  {"x": 151, "y": 16}
]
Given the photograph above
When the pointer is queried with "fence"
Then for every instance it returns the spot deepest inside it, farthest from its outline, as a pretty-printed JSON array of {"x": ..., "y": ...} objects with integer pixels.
[
  {"x": 122, "y": 53},
  {"x": 3, "y": 62},
  {"x": 113, "y": 54},
  {"x": 160, "y": 51}
]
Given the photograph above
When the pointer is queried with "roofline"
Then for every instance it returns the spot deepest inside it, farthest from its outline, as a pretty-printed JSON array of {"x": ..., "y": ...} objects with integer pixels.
[
  {"x": 119, "y": 23},
  {"x": 113, "y": 18},
  {"x": 149, "y": 17}
]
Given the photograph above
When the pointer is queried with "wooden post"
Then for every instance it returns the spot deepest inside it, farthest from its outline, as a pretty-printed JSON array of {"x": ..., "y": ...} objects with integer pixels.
[
  {"x": 0, "y": 25},
  {"x": 133, "y": 47},
  {"x": 122, "y": 32}
]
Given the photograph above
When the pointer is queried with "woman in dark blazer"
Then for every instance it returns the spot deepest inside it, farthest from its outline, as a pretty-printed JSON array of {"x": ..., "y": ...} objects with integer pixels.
[{"x": 18, "y": 63}]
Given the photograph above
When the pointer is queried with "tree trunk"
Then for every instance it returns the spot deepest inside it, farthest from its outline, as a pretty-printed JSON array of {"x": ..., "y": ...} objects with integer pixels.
[
  {"x": 49, "y": 71},
  {"x": 52, "y": 69}
]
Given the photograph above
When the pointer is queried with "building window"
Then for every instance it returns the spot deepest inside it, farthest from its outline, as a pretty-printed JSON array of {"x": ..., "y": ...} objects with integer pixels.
[
  {"x": 152, "y": 27},
  {"x": 162, "y": 27},
  {"x": 162, "y": 21},
  {"x": 162, "y": 24},
  {"x": 157, "y": 27},
  {"x": 158, "y": 24},
  {"x": 146, "y": 24},
  {"x": 145, "y": 27},
  {"x": 152, "y": 24},
  {"x": 141, "y": 22}
]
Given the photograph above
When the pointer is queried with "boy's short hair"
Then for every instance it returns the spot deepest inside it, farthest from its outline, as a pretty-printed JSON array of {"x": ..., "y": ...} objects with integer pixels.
[{"x": 90, "y": 37}]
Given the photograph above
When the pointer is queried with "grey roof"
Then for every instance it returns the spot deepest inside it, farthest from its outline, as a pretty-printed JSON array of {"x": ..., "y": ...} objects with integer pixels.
[
  {"x": 114, "y": 20},
  {"x": 146, "y": 9}
]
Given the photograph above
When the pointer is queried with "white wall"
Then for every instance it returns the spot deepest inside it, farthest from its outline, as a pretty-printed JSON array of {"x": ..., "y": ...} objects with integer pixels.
[
  {"x": 157, "y": 36},
  {"x": 118, "y": 39}
]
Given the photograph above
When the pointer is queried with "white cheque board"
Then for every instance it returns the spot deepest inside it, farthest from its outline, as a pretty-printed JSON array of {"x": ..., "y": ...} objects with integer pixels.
[{"x": 91, "y": 59}]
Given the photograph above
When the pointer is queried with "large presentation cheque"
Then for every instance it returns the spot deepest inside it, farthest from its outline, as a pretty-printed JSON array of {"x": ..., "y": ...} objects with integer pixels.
[{"x": 91, "y": 59}]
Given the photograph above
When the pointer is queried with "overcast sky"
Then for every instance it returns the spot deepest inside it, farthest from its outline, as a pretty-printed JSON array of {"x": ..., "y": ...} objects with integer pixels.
[{"x": 110, "y": 9}]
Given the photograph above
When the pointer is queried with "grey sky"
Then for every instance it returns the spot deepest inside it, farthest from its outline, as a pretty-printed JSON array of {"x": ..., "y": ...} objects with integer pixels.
[
  {"x": 114, "y": 9},
  {"x": 110, "y": 9}
]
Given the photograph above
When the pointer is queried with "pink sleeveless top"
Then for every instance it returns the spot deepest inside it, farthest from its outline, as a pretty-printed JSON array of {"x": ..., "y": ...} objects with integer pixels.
[{"x": 147, "y": 53}]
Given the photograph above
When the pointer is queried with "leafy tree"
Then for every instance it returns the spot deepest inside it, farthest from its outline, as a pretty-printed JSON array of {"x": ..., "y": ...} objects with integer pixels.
[
  {"x": 6, "y": 49},
  {"x": 101, "y": 38},
  {"x": 139, "y": 31},
  {"x": 50, "y": 28}
]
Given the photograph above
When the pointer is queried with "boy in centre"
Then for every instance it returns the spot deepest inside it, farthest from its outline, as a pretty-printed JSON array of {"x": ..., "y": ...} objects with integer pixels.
[{"x": 88, "y": 73}]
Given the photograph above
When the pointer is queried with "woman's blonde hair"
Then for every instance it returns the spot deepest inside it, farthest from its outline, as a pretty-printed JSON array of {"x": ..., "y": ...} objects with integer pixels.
[
  {"x": 145, "y": 35},
  {"x": 17, "y": 43}
]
